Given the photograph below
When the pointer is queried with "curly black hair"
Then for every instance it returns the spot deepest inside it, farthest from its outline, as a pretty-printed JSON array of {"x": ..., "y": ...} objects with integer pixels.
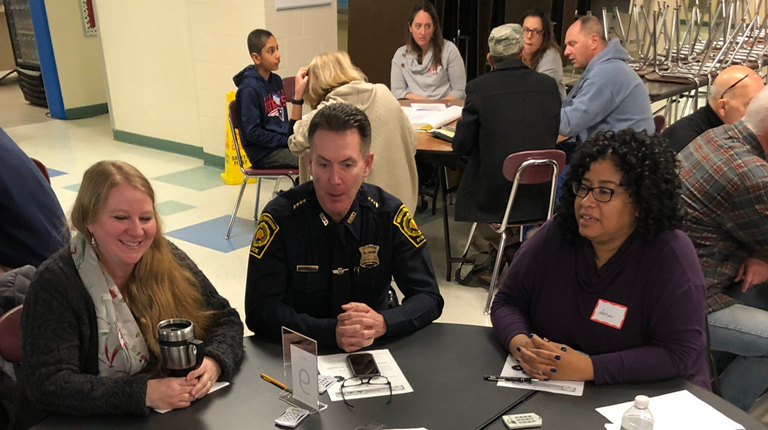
[{"x": 650, "y": 175}]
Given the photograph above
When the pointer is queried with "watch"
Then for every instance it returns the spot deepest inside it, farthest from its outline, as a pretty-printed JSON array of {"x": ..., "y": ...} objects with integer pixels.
[{"x": 298, "y": 102}]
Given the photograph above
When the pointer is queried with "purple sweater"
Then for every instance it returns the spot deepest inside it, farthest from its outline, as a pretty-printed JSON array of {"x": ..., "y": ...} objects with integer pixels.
[{"x": 553, "y": 288}]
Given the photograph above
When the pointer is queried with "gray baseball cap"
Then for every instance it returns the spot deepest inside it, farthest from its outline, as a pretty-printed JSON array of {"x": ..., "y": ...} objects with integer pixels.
[{"x": 505, "y": 40}]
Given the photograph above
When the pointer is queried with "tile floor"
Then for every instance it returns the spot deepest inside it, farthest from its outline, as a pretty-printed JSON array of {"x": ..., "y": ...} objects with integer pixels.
[{"x": 196, "y": 204}]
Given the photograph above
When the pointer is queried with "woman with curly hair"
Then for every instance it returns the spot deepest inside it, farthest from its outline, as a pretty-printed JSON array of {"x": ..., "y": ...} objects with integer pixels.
[{"x": 610, "y": 275}]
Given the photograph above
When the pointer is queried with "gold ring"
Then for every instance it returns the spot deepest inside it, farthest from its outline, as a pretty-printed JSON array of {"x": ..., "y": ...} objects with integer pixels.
[{"x": 541, "y": 373}]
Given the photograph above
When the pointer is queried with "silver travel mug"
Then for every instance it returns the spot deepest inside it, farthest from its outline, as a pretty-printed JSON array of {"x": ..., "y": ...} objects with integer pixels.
[{"x": 181, "y": 352}]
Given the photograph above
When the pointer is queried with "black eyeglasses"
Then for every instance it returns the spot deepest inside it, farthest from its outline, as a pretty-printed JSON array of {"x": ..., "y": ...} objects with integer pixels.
[
  {"x": 734, "y": 84},
  {"x": 601, "y": 194},
  {"x": 364, "y": 385},
  {"x": 535, "y": 31}
]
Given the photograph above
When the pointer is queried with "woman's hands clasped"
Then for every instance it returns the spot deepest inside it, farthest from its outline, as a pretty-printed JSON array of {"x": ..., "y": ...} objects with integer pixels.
[
  {"x": 177, "y": 393},
  {"x": 543, "y": 359}
]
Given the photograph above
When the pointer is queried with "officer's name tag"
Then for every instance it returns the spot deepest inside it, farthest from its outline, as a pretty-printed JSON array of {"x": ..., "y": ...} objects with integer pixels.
[
  {"x": 609, "y": 313},
  {"x": 306, "y": 268}
]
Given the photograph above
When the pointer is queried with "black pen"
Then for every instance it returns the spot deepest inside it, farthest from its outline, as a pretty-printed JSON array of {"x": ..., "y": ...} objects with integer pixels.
[{"x": 509, "y": 378}]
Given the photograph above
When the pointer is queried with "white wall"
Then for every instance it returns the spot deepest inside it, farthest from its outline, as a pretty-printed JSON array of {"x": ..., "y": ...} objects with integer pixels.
[
  {"x": 170, "y": 63},
  {"x": 78, "y": 58}
]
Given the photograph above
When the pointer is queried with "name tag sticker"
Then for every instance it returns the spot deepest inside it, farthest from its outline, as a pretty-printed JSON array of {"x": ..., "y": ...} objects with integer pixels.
[{"x": 609, "y": 313}]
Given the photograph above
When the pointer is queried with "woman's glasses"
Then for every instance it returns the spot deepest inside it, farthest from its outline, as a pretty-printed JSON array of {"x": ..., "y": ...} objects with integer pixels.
[{"x": 534, "y": 31}]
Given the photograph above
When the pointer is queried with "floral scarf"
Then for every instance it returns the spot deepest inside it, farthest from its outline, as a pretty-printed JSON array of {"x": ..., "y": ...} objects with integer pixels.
[{"x": 122, "y": 349}]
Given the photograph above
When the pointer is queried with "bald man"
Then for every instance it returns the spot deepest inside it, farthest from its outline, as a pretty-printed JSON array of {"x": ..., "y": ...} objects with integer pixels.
[
  {"x": 728, "y": 99},
  {"x": 724, "y": 175},
  {"x": 609, "y": 95}
]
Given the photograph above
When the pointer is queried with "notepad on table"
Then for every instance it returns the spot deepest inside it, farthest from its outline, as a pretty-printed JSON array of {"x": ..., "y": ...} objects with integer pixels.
[{"x": 431, "y": 119}]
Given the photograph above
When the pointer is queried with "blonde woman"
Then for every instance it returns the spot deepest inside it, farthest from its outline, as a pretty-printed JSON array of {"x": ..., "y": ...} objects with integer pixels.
[
  {"x": 89, "y": 322},
  {"x": 330, "y": 78}
]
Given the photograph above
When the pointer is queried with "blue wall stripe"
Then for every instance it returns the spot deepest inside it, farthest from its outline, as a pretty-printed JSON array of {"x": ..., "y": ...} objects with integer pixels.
[{"x": 47, "y": 60}]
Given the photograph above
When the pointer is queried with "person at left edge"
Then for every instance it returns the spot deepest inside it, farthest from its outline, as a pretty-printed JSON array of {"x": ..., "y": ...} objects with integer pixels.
[{"x": 324, "y": 253}]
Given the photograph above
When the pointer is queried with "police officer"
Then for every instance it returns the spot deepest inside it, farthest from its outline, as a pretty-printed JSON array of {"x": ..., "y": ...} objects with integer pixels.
[{"x": 324, "y": 253}]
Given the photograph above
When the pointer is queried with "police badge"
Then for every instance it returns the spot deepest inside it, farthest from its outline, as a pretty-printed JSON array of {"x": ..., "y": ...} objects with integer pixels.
[{"x": 369, "y": 256}]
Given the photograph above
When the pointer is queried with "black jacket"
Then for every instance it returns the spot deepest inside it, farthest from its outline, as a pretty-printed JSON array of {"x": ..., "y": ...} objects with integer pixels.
[
  {"x": 264, "y": 117},
  {"x": 508, "y": 110},
  {"x": 60, "y": 371},
  {"x": 300, "y": 273},
  {"x": 686, "y": 129}
]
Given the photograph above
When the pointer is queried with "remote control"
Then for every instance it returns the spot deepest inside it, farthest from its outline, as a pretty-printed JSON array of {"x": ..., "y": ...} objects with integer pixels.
[
  {"x": 522, "y": 421},
  {"x": 324, "y": 382},
  {"x": 291, "y": 417}
]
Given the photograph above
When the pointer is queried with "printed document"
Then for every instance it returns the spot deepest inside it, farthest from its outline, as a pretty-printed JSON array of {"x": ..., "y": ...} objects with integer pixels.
[{"x": 336, "y": 365}]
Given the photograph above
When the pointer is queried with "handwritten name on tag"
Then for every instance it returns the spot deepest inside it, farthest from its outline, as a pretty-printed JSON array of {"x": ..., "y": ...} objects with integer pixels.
[{"x": 609, "y": 313}]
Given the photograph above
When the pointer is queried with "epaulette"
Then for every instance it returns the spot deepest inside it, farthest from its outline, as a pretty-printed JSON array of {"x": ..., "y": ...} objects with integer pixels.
[{"x": 299, "y": 203}]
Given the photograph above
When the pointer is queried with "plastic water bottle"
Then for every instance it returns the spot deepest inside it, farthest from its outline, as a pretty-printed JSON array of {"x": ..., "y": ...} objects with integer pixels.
[{"x": 638, "y": 417}]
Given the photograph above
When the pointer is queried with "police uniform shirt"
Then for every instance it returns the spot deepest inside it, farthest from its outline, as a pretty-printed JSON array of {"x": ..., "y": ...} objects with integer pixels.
[{"x": 303, "y": 266}]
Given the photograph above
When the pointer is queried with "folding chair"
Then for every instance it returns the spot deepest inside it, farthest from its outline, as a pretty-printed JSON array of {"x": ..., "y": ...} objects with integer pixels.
[
  {"x": 277, "y": 174},
  {"x": 10, "y": 335},
  {"x": 523, "y": 168}
]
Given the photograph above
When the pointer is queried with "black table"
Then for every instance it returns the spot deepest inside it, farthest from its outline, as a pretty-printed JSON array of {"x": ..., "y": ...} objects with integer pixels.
[
  {"x": 569, "y": 412},
  {"x": 443, "y": 362}
]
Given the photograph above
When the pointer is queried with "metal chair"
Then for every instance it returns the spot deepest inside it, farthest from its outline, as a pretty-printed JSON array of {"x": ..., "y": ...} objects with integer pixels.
[
  {"x": 524, "y": 168},
  {"x": 10, "y": 335},
  {"x": 248, "y": 173}
]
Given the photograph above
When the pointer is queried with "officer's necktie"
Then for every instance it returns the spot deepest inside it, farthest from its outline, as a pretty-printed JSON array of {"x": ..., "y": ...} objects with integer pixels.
[{"x": 341, "y": 275}]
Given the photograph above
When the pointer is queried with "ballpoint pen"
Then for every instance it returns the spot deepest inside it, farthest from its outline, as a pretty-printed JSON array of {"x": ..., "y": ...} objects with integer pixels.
[
  {"x": 276, "y": 383},
  {"x": 509, "y": 378}
]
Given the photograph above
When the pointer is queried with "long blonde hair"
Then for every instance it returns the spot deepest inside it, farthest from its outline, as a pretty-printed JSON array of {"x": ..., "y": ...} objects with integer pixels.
[
  {"x": 327, "y": 72},
  {"x": 158, "y": 288}
]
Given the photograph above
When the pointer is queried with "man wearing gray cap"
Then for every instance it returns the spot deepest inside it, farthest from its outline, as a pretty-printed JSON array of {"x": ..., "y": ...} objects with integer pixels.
[{"x": 507, "y": 110}]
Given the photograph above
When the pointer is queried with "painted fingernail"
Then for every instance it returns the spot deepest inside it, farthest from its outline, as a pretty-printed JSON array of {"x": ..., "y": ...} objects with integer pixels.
[
  {"x": 518, "y": 349},
  {"x": 524, "y": 372},
  {"x": 530, "y": 336},
  {"x": 553, "y": 370},
  {"x": 546, "y": 379},
  {"x": 564, "y": 349},
  {"x": 557, "y": 357}
]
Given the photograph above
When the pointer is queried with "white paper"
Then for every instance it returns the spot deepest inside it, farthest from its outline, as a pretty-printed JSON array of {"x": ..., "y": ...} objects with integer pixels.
[
  {"x": 336, "y": 365},
  {"x": 571, "y": 388},
  {"x": 427, "y": 120},
  {"x": 304, "y": 376},
  {"x": 678, "y": 410},
  {"x": 215, "y": 387},
  {"x": 609, "y": 426},
  {"x": 429, "y": 106}
]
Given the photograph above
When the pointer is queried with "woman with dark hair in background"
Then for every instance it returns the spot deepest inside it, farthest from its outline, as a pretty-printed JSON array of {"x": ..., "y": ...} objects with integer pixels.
[
  {"x": 540, "y": 52},
  {"x": 610, "y": 275},
  {"x": 427, "y": 67}
]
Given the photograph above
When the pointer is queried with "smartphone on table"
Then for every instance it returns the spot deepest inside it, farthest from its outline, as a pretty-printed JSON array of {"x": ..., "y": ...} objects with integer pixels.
[{"x": 363, "y": 364}]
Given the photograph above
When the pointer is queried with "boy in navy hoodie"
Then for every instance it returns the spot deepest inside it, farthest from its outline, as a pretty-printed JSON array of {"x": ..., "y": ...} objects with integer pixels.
[{"x": 264, "y": 122}]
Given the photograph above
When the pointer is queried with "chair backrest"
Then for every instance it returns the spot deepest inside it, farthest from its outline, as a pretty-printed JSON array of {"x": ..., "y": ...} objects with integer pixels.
[
  {"x": 42, "y": 168},
  {"x": 533, "y": 167},
  {"x": 234, "y": 126},
  {"x": 10, "y": 335},
  {"x": 289, "y": 88},
  {"x": 537, "y": 172}
]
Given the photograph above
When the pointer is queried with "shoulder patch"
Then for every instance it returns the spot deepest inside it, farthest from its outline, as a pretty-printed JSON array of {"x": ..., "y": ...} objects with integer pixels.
[
  {"x": 404, "y": 221},
  {"x": 265, "y": 232}
]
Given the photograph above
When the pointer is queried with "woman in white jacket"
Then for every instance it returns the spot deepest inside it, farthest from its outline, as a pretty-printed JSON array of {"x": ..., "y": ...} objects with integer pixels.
[{"x": 331, "y": 78}]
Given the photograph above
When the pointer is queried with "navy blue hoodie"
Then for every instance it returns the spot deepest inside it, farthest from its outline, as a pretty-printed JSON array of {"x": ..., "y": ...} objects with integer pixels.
[{"x": 264, "y": 123}]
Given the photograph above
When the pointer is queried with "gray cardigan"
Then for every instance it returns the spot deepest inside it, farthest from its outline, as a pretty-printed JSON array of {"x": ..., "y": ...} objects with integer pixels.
[{"x": 60, "y": 372}]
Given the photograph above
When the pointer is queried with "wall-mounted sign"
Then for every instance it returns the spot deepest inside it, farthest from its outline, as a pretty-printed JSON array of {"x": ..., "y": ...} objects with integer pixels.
[
  {"x": 89, "y": 18},
  {"x": 296, "y": 4}
]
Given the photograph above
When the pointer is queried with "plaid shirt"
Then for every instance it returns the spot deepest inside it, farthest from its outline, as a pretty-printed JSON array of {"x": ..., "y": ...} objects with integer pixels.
[{"x": 725, "y": 191}]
